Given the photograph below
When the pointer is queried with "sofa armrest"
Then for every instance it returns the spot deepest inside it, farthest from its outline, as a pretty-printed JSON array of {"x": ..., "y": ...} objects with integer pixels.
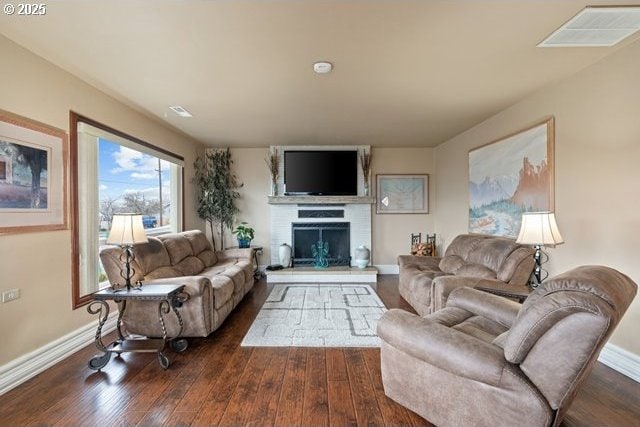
[
  {"x": 193, "y": 285},
  {"x": 442, "y": 347},
  {"x": 493, "y": 307},
  {"x": 246, "y": 253},
  {"x": 423, "y": 261},
  {"x": 442, "y": 286}
]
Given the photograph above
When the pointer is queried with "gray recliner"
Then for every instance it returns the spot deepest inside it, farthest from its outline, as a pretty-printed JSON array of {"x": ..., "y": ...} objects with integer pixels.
[{"x": 484, "y": 360}]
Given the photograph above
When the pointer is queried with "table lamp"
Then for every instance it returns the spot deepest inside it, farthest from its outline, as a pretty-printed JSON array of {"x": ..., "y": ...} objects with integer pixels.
[
  {"x": 126, "y": 231},
  {"x": 539, "y": 229}
]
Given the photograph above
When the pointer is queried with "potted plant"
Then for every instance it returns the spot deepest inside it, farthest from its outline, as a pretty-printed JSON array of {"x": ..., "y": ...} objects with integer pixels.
[
  {"x": 217, "y": 189},
  {"x": 244, "y": 233}
]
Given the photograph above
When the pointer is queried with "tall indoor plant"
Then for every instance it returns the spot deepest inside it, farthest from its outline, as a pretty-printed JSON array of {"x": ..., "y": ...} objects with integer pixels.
[{"x": 217, "y": 190}]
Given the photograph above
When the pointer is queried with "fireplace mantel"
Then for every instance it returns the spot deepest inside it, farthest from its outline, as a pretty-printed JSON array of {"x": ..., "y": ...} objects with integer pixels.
[{"x": 320, "y": 200}]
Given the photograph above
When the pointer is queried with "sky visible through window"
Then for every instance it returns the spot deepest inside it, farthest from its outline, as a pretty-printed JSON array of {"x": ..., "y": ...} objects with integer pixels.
[{"x": 129, "y": 181}]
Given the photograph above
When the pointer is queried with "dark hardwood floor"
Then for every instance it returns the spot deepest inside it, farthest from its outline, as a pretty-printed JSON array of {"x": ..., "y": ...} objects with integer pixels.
[{"x": 218, "y": 382}]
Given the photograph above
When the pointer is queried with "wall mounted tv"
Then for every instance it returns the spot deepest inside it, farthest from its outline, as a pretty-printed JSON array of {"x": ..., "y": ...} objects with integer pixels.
[{"x": 325, "y": 173}]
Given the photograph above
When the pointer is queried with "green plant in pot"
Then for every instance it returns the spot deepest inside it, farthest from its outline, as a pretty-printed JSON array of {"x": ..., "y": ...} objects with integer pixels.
[{"x": 244, "y": 233}]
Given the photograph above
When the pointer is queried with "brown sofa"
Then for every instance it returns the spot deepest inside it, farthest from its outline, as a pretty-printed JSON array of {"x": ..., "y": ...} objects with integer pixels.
[
  {"x": 488, "y": 361},
  {"x": 215, "y": 281},
  {"x": 493, "y": 263}
]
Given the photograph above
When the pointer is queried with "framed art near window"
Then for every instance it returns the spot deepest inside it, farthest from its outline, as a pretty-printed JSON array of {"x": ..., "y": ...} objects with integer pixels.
[
  {"x": 33, "y": 176},
  {"x": 402, "y": 194},
  {"x": 511, "y": 176}
]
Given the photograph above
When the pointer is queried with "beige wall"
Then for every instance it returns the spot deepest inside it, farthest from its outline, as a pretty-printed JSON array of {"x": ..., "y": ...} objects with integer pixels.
[
  {"x": 251, "y": 170},
  {"x": 597, "y": 174},
  {"x": 392, "y": 233},
  {"x": 40, "y": 263}
]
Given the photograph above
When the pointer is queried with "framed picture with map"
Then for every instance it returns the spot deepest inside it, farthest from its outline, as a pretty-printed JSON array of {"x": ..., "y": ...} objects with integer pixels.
[{"x": 402, "y": 194}]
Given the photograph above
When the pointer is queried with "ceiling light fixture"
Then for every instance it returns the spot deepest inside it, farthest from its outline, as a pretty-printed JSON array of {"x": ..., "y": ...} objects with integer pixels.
[
  {"x": 596, "y": 26},
  {"x": 322, "y": 67},
  {"x": 180, "y": 111}
]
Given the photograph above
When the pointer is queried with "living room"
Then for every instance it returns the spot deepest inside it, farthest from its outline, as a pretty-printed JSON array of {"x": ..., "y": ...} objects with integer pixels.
[{"x": 420, "y": 83}]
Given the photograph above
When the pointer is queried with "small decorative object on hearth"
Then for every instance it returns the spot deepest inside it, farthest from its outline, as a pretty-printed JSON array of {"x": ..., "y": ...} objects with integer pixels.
[
  {"x": 284, "y": 254},
  {"x": 539, "y": 229},
  {"x": 362, "y": 255},
  {"x": 244, "y": 234},
  {"x": 320, "y": 251},
  {"x": 365, "y": 163},
  {"x": 273, "y": 163},
  {"x": 126, "y": 231}
]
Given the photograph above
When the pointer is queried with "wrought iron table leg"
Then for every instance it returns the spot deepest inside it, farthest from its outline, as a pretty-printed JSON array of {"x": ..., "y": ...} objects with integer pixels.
[
  {"x": 178, "y": 344},
  {"x": 163, "y": 307},
  {"x": 99, "y": 362}
]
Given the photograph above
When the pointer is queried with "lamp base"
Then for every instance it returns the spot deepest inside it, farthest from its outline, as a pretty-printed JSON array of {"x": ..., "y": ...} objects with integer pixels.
[{"x": 539, "y": 274}]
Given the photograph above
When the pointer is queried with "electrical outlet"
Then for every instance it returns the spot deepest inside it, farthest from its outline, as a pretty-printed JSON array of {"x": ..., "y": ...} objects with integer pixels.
[{"x": 10, "y": 295}]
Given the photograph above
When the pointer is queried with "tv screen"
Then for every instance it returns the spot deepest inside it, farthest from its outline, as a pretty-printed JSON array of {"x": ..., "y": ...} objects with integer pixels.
[{"x": 321, "y": 173}]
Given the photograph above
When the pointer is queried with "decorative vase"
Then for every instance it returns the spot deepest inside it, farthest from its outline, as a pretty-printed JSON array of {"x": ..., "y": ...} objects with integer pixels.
[
  {"x": 362, "y": 255},
  {"x": 244, "y": 243},
  {"x": 366, "y": 187},
  {"x": 284, "y": 254},
  {"x": 320, "y": 251},
  {"x": 274, "y": 188}
]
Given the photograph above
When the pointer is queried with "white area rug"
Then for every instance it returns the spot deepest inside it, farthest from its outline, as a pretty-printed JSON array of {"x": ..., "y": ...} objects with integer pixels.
[{"x": 322, "y": 315}]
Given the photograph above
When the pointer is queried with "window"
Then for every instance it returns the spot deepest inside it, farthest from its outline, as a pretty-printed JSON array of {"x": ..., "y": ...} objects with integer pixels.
[{"x": 115, "y": 173}]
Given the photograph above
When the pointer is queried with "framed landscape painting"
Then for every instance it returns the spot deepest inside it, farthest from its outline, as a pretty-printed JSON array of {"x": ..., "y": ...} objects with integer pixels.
[
  {"x": 401, "y": 194},
  {"x": 510, "y": 176},
  {"x": 33, "y": 180}
]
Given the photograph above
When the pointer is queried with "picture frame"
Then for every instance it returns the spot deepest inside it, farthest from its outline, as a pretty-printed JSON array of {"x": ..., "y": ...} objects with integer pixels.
[
  {"x": 510, "y": 176},
  {"x": 402, "y": 193},
  {"x": 33, "y": 175}
]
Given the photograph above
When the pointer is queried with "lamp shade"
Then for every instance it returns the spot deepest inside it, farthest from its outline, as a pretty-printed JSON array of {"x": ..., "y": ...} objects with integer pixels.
[
  {"x": 539, "y": 228},
  {"x": 126, "y": 229}
]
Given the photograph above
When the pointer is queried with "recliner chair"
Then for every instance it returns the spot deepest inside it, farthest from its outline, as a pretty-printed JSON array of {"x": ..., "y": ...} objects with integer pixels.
[{"x": 484, "y": 360}]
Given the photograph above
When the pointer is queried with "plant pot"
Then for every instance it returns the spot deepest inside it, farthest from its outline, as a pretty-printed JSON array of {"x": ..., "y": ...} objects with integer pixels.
[{"x": 244, "y": 243}]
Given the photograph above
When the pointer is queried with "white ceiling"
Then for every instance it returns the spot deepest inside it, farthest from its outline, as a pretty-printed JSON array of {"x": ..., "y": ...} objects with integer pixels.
[{"x": 406, "y": 73}]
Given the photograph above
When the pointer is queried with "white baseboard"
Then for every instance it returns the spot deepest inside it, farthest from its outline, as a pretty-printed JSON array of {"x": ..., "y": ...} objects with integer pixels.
[
  {"x": 388, "y": 269},
  {"x": 621, "y": 360},
  {"x": 31, "y": 364}
]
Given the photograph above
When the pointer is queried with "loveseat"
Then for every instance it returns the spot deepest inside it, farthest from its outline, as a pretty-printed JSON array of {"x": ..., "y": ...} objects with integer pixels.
[
  {"x": 215, "y": 281},
  {"x": 491, "y": 263},
  {"x": 485, "y": 360}
]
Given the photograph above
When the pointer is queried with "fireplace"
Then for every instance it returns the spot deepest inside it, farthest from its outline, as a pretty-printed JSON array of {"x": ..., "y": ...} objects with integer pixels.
[{"x": 335, "y": 234}]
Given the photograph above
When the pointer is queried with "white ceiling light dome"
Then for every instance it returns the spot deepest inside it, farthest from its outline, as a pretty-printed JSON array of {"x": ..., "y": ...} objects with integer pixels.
[{"x": 322, "y": 67}]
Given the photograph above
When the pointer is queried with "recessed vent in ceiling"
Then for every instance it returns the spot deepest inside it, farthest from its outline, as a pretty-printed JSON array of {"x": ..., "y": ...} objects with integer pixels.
[
  {"x": 180, "y": 111},
  {"x": 596, "y": 26}
]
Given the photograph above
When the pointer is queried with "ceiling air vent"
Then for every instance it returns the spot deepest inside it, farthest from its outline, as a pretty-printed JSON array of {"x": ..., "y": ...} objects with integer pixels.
[
  {"x": 180, "y": 111},
  {"x": 596, "y": 26}
]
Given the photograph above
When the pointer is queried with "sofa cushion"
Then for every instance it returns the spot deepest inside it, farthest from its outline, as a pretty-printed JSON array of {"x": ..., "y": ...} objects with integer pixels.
[
  {"x": 451, "y": 263},
  {"x": 492, "y": 252},
  {"x": 476, "y": 270},
  {"x": 151, "y": 255},
  {"x": 190, "y": 266},
  {"x": 201, "y": 247},
  {"x": 161, "y": 273},
  {"x": 177, "y": 246}
]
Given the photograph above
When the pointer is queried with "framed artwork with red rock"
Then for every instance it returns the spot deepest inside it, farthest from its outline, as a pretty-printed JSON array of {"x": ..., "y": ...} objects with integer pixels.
[{"x": 509, "y": 176}]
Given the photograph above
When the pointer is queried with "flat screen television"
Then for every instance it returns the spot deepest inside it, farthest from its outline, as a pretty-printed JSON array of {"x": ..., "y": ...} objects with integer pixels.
[{"x": 324, "y": 173}]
